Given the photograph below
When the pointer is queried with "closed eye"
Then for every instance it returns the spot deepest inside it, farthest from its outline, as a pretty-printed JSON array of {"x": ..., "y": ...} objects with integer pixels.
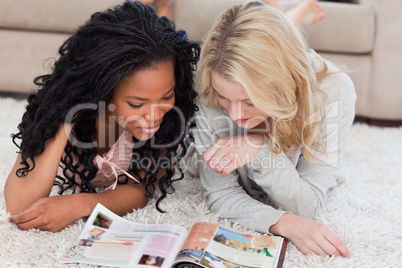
[
  {"x": 249, "y": 104},
  {"x": 135, "y": 105},
  {"x": 168, "y": 97},
  {"x": 219, "y": 95}
]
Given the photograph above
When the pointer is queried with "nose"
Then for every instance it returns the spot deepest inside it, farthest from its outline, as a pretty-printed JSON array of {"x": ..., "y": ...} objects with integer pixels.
[
  {"x": 157, "y": 112},
  {"x": 235, "y": 111}
]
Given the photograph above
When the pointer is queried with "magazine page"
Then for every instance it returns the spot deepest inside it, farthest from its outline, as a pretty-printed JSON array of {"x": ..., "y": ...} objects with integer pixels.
[
  {"x": 110, "y": 240},
  {"x": 212, "y": 246},
  {"x": 197, "y": 241}
]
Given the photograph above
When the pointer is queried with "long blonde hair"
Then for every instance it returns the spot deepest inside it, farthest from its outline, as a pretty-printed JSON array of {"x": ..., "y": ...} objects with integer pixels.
[{"x": 254, "y": 45}]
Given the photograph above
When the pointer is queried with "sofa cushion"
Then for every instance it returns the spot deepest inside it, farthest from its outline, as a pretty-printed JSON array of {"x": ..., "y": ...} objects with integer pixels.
[
  {"x": 197, "y": 16},
  {"x": 346, "y": 28},
  {"x": 49, "y": 15},
  {"x": 25, "y": 55}
]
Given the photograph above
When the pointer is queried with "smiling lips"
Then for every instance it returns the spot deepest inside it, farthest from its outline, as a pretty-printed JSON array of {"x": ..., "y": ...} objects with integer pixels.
[
  {"x": 243, "y": 121},
  {"x": 151, "y": 130}
]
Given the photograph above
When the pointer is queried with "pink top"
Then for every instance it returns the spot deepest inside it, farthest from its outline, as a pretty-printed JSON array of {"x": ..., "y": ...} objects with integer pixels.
[{"x": 111, "y": 164}]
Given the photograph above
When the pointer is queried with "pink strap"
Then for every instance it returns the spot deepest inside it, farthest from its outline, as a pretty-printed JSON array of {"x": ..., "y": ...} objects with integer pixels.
[{"x": 101, "y": 161}]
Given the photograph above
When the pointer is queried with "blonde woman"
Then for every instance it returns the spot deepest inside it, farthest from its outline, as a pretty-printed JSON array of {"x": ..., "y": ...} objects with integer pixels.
[{"x": 273, "y": 119}]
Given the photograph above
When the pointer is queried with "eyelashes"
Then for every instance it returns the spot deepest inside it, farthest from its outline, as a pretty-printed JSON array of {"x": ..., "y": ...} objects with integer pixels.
[
  {"x": 221, "y": 97},
  {"x": 168, "y": 97},
  {"x": 249, "y": 104},
  {"x": 137, "y": 106}
]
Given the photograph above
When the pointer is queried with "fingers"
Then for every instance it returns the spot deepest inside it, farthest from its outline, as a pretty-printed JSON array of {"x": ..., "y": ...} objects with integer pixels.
[
  {"x": 228, "y": 169},
  {"x": 211, "y": 151},
  {"x": 32, "y": 217},
  {"x": 310, "y": 236},
  {"x": 217, "y": 159},
  {"x": 331, "y": 245},
  {"x": 27, "y": 219},
  {"x": 338, "y": 247},
  {"x": 225, "y": 166},
  {"x": 230, "y": 153},
  {"x": 326, "y": 248},
  {"x": 344, "y": 250},
  {"x": 34, "y": 223},
  {"x": 313, "y": 249},
  {"x": 25, "y": 216},
  {"x": 48, "y": 214},
  {"x": 224, "y": 155},
  {"x": 220, "y": 163}
]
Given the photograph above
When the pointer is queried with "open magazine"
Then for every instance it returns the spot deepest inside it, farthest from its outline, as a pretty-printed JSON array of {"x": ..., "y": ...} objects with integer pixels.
[{"x": 109, "y": 240}]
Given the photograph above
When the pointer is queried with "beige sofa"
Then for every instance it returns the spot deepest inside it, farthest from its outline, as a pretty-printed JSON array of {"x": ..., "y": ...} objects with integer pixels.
[{"x": 365, "y": 37}]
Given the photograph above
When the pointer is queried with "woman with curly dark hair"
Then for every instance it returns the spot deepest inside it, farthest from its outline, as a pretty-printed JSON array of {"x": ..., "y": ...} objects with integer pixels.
[{"x": 113, "y": 114}]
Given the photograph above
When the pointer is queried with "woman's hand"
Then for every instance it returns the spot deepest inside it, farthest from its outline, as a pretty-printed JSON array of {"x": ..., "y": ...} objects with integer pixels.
[
  {"x": 309, "y": 236},
  {"x": 56, "y": 212},
  {"x": 230, "y": 153},
  {"x": 49, "y": 214}
]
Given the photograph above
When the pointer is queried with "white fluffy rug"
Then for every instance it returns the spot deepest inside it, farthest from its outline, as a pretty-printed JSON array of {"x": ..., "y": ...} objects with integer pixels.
[{"x": 365, "y": 211}]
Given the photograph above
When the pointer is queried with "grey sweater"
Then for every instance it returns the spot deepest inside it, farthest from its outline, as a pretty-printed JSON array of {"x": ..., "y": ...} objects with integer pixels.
[{"x": 258, "y": 194}]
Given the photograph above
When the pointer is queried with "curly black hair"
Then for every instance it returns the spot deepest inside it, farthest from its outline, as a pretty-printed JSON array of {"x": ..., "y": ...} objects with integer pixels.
[{"x": 93, "y": 61}]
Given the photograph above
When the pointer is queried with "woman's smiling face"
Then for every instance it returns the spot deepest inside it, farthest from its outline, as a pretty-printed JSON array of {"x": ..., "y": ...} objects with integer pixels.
[
  {"x": 143, "y": 98},
  {"x": 232, "y": 96}
]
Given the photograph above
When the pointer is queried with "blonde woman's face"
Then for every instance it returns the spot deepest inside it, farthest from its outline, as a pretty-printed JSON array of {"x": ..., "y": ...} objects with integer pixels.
[{"x": 234, "y": 99}]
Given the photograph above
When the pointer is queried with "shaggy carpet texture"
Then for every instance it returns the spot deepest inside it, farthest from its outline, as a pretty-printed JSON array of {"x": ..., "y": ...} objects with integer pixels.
[{"x": 365, "y": 211}]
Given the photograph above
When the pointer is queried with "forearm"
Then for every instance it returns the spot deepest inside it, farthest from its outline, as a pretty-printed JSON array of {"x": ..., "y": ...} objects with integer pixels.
[
  {"x": 247, "y": 211},
  {"x": 227, "y": 198},
  {"x": 122, "y": 200},
  {"x": 300, "y": 191},
  {"x": 20, "y": 192},
  {"x": 56, "y": 212}
]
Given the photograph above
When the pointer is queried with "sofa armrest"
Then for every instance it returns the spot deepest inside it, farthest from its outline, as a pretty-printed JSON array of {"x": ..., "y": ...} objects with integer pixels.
[{"x": 385, "y": 92}]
